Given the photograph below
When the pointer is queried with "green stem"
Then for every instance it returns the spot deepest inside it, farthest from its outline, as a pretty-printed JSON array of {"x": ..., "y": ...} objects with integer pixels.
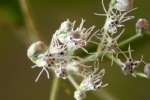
[
  {"x": 132, "y": 38},
  {"x": 73, "y": 82},
  {"x": 55, "y": 86},
  {"x": 111, "y": 4},
  {"x": 98, "y": 52}
]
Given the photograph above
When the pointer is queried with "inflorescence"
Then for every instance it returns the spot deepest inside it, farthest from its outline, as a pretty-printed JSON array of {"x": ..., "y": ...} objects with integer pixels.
[{"x": 59, "y": 57}]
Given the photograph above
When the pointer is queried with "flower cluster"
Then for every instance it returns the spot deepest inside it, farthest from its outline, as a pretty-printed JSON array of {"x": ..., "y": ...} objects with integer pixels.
[
  {"x": 74, "y": 38},
  {"x": 60, "y": 58},
  {"x": 91, "y": 82},
  {"x": 48, "y": 57},
  {"x": 109, "y": 36},
  {"x": 130, "y": 64},
  {"x": 110, "y": 32},
  {"x": 57, "y": 56}
]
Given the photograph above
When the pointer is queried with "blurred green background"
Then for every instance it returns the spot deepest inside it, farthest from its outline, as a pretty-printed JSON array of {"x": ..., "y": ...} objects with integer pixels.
[{"x": 16, "y": 76}]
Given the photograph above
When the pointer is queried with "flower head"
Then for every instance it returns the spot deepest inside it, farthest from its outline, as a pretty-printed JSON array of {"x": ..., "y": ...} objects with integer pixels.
[
  {"x": 130, "y": 65},
  {"x": 93, "y": 80},
  {"x": 114, "y": 19},
  {"x": 47, "y": 57},
  {"x": 74, "y": 37}
]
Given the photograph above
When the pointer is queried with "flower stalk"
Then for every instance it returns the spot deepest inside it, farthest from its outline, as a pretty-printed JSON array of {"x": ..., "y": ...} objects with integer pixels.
[{"x": 54, "y": 88}]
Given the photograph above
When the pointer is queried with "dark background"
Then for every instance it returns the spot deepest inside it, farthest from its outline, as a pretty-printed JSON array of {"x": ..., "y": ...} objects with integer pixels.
[{"x": 16, "y": 76}]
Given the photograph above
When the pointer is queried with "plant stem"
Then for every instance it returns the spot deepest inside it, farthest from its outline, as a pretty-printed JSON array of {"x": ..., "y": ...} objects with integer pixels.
[
  {"x": 73, "y": 82},
  {"x": 32, "y": 32},
  {"x": 123, "y": 43},
  {"x": 111, "y": 4},
  {"x": 134, "y": 37},
  {"x": 55, "y": 86},
  {"x": 98, "y": 52}
]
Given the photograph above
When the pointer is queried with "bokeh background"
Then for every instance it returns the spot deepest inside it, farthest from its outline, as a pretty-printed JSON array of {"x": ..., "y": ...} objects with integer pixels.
[{"x": 16, "y": 76}]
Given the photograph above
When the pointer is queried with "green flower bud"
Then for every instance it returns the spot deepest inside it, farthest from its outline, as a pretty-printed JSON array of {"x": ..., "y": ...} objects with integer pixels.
[{"x": 35, "y": 49}]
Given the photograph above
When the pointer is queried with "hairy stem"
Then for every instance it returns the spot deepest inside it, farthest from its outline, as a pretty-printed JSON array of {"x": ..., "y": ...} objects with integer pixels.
[{"x": 55, "y": 86}]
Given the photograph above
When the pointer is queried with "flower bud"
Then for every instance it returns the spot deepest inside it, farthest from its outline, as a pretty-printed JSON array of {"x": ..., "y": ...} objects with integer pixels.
[
  {"x": 79, "y": 95},
  {"x": 142, "y": 24},
  {"x": 35, "y": 49},
  {"x": 147, "y": 69},
  {"x": 66, "y": 26},
  {"x": 75, "y": 35},
  {"x": 124, "y": 5}
]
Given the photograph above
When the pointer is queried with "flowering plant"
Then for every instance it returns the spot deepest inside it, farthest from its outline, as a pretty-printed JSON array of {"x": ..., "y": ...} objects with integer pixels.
[{"x": 60, "y": 58}]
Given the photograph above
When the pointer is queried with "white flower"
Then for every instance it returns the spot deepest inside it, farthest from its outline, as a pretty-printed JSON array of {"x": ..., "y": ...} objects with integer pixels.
[
  {"x": 74, "y": 37},
  {"x": 114, "y": 19},
  {"x": 130, "y": 65},
  {"x": 55, "y": 45},
  {"x": 123, "y": 5},
  {"x": 47, "y": 58},
  {"x": 45, "y": 62},
  {"x": 66, "y": 26},
  {"x": 93, "y": 81}
]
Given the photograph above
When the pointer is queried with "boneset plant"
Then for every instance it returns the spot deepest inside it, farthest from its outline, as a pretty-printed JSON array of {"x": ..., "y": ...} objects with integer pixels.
[{"x": 60, "y": 58}]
